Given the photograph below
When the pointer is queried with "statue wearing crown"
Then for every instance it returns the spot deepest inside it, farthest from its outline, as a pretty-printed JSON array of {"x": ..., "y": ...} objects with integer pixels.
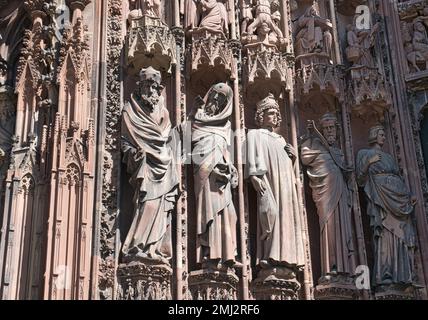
[
  {"x": 270, "y": 168},
  {"x": 146, "y": 129}
]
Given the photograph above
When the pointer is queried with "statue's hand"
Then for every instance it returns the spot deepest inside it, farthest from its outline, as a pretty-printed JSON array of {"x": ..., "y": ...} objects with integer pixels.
[
  {"x": 259, "y": 185},
  {"x": 414, "y": 200},
  {"x": 375, "y": 158},
  {"x": 290, "y": 151},
  {"x": 234, "y": 181},
  {"x": 198, "y": 103}
]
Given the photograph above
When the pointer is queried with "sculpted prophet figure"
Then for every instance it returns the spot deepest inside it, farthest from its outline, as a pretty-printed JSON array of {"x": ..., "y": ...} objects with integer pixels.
[
  {"x": 270, "y": 169},
  {"x": 146, "y": 131},
  {"x": 328, "y": 180},
  {"x": 215, "y": 176},
  {"x": 390, "y": 207}
]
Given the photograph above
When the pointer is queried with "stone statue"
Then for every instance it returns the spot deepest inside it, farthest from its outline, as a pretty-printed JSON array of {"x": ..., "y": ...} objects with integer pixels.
[
  {"x": 390, "y": 207},
  {"x": 327, "y": 174},
  {"x": 413, "y": 57},
  {"x": 415, "y": 42},
  {"x": 420, "y": 41},
  {"x": 315, "y": 34},
  {"x": 270, "y": 169},
  {"x": 266, "y": 12},
  {"x": 215, "y": 176},
  {"x": 146, "y": 129},
  {"x": 210, "y": 15},
  {"x": 246, "y": 13},
  {"x": 151, "y": 8},
  {"x": 360, "y": 43}
]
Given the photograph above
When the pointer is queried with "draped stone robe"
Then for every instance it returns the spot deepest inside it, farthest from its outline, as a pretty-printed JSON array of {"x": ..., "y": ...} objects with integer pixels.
[
  {"x": 215, "y": 18},
  {"x": 390, "y": 209},
  {"x": 334, "y": 206},
  {"x": 150, "y": 160},
  {"x": 310, "y": 35},
  {"x": 216, "y": 216},
  {"x": 211, "y": 14},
  {"x": 279, "y": 227}
]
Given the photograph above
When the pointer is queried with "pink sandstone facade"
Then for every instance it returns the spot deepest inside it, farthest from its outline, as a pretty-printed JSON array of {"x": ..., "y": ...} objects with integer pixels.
[{"x": 307, "y": 118}]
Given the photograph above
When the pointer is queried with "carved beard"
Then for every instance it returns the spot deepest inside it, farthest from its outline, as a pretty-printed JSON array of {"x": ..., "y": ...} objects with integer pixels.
[
  {"x": 150, "y": 101},
  {"x": 331, "y": 139},
  {"x": 211, "y": 108}
]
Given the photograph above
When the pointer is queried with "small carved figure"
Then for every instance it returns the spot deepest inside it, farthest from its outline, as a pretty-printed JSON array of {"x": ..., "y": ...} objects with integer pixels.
[
  {"x": 360, "y": 43},
  {"x": 264, "y": 16},
  {"x": 314, "y": 34},
  {"x": 210, "y": 15},
  {"x": 151, "y": 8},
  {"x": 247, "y": 13}
]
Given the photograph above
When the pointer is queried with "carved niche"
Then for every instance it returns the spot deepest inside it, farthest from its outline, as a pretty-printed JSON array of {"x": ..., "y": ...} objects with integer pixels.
[{"x": 149, "y": 41}]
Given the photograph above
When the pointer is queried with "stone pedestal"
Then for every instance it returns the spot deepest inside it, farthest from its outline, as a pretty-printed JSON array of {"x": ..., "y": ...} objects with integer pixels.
[
  {"x": 316, "y": 72},
  {"x": 395, "y": 292},
  {"x": 276, "y": 283},
  {"x": 150, "y": 43},
  {"x": 211, "y": 284},
  {"x": 266, "y": 70},
  {"x": 336, "y": 287},
  {"x": 211, "y": 60},
  {"x": 368, "y": 92},
  {"x": 139, "y": 281}
]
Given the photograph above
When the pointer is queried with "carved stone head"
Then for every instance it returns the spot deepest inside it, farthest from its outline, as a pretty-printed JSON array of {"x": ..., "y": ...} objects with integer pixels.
[
  {"x": 312, "y": 11},
  {"x": 149, "y": 86},
  {"x": 217, "y": 99},
  {"x": 377, "y": 135},
  {"x": 328, "y": 123},
  {"x": 268, "y": 114}
]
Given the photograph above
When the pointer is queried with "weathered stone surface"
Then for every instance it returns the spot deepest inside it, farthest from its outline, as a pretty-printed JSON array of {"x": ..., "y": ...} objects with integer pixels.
[{"x": 79, "y": 223}]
